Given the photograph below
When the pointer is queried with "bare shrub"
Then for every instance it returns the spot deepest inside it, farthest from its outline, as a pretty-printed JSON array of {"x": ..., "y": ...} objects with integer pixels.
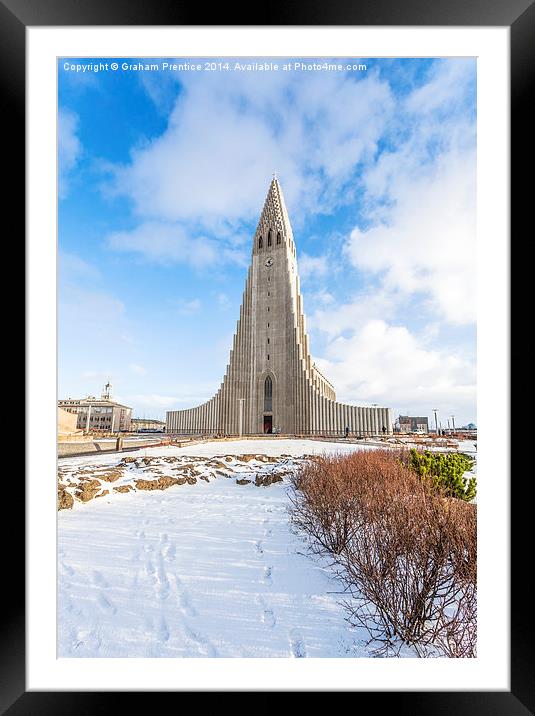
[{"x": 405, "y": 553}]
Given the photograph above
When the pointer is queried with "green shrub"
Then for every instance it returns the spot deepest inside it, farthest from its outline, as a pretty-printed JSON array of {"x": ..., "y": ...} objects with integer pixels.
[{"x": 446, "y": 470}]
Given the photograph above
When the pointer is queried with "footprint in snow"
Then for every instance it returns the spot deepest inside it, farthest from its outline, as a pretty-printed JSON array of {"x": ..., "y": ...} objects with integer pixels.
[
  {"x": 297, "y": 644},
  {"x": 106, "y": 604},
  {"x": 267, "y": 577},
  {"x": 204, "y": 645},
  {"x": 68, "y": 570},
  {"x": 162, "y": 630},
  {"x": 169, "y": 552},
  {"x": 98, "y": 579},
  {"x": 268, "y": 615}
]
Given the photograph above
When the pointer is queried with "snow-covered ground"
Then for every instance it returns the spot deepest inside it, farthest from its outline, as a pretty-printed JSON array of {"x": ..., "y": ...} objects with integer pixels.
[{"x": 205, "y": 569}]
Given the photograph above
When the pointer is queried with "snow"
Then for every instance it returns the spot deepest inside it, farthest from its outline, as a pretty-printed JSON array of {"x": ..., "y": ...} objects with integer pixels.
[{"x": 210, "y": 569}]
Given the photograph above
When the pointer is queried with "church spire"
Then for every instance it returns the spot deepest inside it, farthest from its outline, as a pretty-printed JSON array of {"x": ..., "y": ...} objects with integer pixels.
[{"x": 274, "y": 218}]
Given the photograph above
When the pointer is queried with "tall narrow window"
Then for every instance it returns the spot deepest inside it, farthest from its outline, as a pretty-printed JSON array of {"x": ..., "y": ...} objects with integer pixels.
[
  {"x": 278, "y": 237},
  {"x": 260, "y": 243},
  {"x": 269, "y": 238},
  {"x": 268, "y": 395}
]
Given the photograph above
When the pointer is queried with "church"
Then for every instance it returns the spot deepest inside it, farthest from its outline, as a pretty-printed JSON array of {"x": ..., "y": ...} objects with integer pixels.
[{"x": 271, "y": 384}]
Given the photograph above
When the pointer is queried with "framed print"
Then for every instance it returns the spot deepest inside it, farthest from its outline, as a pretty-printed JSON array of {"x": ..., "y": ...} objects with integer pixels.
[{"x": 192, "y": 193}]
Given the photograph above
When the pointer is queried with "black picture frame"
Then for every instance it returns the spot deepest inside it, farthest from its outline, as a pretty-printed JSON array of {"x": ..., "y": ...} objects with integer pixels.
[{"x": 519, "y": 16}]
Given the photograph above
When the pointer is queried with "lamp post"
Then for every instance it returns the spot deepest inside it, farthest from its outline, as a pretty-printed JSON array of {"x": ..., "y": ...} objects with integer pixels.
[
  {"x": 88, "y": 418},
  {"x": 435, "y": 410},
  {"x": 453, "y": 422}
]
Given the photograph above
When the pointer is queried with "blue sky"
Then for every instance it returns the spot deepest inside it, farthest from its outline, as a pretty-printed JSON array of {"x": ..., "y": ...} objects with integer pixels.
[{"x": 162, "y": 177}]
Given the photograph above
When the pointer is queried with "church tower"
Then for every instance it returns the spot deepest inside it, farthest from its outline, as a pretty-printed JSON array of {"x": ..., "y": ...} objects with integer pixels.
[{"x": 271, "y": 383}]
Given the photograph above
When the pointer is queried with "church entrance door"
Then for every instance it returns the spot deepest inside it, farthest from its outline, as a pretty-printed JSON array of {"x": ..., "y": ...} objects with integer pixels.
[{"x": 268, "y": 424}]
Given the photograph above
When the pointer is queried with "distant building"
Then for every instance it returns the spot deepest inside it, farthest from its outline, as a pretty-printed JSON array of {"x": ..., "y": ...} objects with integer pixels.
[
  {"x": 138, "y": 424},
  {"x": 408, "y": 424},
  {"x": 67, "y": 422},
  {"x": 99, "y": 413}
]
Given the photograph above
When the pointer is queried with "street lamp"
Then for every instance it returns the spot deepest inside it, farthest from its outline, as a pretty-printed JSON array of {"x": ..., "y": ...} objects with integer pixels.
[{"x": 435, "y": 410}]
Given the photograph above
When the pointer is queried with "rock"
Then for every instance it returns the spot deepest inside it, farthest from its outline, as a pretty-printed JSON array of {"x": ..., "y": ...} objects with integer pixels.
[
  {"x": 125, "y": 460},
  {"x": 123, "y": 488},
  {"x": 165, "y": 481},
  {"x": 87, "y": 490},
  {"x": 223, "y": 474},
  {"x": 203, "y": 477},
  {"x": 245, "y": 458},
  {"x": 65, "y": 500},
  {"x": 162, "y": 483},
  {"x": 242, "y": 482},
  {"x": 276, "y": 478},
  {"x": 111, "y": 476},
  {"x": 191, "y": 480},
  {"x": 101, "y": 494},
  {"x": 229, "y": 458}
]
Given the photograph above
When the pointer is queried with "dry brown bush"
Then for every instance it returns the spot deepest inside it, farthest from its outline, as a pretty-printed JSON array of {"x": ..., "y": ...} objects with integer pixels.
[{"x": 405, "y": 554}]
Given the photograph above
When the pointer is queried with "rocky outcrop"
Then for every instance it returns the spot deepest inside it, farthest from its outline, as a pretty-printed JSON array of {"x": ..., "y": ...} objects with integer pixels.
[
  {"x": 65, "y": 500},
  {"x": 162, "y": 483},
  {"x": 87, "y": 490}
]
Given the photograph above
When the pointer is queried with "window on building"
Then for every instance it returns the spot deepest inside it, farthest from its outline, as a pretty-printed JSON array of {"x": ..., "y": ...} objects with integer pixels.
[
  {"x": 278, "y": 237},
  {"x": 269, "y": 237},
  {"x": 268, "y": 394},
  {"x": 260, "y": 243}
]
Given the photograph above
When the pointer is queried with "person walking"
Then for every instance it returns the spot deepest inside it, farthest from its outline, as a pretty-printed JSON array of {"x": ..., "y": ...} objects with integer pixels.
[{"x": 347, "y": 432}]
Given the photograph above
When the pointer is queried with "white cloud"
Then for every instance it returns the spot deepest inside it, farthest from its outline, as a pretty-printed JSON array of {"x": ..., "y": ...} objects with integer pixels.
[
  {"x": 419, "y": 203},
  {"x": 69, "y": 147},
  {"x": 223, "y": 301},
  {"x": 188, "y": 308},
  {"x": 313, "y": 266},
  {"x": 226, "y": 135},
  {"x": 427, "y": 241},
  {"x": 336, "y": 320},
  {"x": 321, "y": 297},
  {"x": 160, "y": 242},
  {"x": 152, "y": 400},
  {"x": 164, "y": 242},
  {"x": 72, "y": 267},
  {"x": 387, "y": 365},
  {"x": 137, "y": 369}
]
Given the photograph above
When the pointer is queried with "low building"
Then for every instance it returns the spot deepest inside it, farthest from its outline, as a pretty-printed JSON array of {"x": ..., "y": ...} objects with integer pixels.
[
  {"x": 147, "y": 425},
  {"x": 67, "y": 423},
  {"x": 102, "y": 413},
  {"x": 408, "y": 424}
]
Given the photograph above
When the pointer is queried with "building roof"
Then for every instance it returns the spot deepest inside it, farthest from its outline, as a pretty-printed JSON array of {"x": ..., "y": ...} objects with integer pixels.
[{"x": 93, "y": 402}]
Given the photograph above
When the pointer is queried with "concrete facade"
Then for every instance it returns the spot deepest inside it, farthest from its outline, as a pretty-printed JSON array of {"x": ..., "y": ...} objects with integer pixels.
[
  {"x": 98, "y": 414},
  {"x": 408, "y": 424},
  {"x": 67, "y": 422},
  {"x": 271, "y": 383}
]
